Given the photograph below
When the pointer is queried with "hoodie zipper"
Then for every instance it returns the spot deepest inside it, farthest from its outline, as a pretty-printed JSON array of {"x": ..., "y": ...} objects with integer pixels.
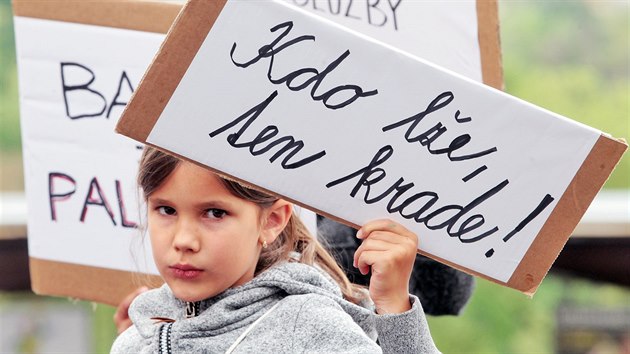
[
  {"x": 192, "y": 310},
  {"x": 165, "y": 338}
]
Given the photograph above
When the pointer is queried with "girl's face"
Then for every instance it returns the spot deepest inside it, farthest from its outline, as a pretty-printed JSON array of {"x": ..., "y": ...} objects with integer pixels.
[{"x": 205, "y": 240}]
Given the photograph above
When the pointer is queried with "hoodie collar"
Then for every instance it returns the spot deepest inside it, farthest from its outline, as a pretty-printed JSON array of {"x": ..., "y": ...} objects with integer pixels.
[{"x": 240, "y": 306}]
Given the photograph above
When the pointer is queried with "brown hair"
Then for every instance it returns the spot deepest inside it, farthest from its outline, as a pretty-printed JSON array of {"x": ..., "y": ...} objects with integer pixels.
[{"x": 156, "y": 166}]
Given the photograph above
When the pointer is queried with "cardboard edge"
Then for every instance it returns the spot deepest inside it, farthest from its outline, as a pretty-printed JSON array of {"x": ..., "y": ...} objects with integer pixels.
[
  {"x": 10, "y": 232},
  {"x": 489, "y": 39},
  {"x": 587, "y": 182},
  {"x": 168, "y": 67},
  {"x": 147, "y": 16},
  {"x": 107, "y": 286}
]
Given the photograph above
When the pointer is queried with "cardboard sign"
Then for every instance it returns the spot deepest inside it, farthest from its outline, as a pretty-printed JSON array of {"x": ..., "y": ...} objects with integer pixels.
[
  {"x": 78, "y": 66},
  {"x": 340, "y": 123}
]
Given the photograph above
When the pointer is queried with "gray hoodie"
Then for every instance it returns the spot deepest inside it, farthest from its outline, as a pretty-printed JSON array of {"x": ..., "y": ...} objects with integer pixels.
[{"x": 310, "y": 316}]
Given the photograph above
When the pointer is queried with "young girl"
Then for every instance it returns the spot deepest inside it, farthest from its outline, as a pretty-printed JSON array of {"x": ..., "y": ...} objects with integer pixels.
[{"x": 243, "y": 275}]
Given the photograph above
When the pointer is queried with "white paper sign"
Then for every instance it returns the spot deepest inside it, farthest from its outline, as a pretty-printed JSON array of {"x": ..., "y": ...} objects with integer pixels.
[
  {"x": 320, "y": 115},
  {"x": 80, "y": 177}
]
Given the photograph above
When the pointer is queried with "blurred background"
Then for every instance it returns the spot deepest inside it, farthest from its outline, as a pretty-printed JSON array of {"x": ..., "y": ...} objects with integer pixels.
[{"x": 571, "y": 57}]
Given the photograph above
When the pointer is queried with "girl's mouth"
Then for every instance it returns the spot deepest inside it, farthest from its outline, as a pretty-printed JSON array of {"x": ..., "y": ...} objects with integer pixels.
[{"x": 184, "y": 271}]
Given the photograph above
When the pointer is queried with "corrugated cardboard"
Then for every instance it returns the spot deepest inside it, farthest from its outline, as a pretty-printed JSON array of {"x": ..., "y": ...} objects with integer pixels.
[
  {"x": 110, "y": 286},
  {"x": 162, "y": 78}
]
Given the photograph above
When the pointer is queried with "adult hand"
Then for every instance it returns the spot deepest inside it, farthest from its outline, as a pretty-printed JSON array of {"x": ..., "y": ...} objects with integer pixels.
[
  {"x": 121, "y": 317},
  {"x": 389, "y": 251}
]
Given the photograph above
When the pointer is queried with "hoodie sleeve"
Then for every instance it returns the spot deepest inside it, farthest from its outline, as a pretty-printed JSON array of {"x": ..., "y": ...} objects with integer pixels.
[{"x": 407, "y": 332}]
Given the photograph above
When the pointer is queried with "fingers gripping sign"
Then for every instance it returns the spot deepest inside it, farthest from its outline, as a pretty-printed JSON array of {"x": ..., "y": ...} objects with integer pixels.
[{"x": 388, "y": 250}]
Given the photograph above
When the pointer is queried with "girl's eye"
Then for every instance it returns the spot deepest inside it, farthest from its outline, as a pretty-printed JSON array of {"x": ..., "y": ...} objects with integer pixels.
[
  {"x": 215, "y": 213},
  {"x": 165, "y": 210}
]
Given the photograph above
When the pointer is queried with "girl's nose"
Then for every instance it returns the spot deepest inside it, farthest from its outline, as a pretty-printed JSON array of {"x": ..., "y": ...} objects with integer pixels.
[{"x": 186, "y": 238}]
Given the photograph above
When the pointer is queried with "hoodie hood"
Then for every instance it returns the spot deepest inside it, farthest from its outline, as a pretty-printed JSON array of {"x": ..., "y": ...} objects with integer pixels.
[{"x": 240, "y": 306}]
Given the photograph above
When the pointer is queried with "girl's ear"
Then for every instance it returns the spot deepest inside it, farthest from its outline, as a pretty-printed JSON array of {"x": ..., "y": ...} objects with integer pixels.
[{"x": 275, "y": 220}]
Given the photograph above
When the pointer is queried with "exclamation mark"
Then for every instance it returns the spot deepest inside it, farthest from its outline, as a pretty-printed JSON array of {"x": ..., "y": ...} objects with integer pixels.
[{"x": 544, "y": 203}]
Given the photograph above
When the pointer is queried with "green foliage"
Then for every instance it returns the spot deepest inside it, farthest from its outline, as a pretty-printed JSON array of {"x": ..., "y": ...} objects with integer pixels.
[
  {"x": 572, "y": 58},
  {"x": 104, "y": 328},
  {"x": 501, "y": 320},
  {"x": 9, "y": 114}
]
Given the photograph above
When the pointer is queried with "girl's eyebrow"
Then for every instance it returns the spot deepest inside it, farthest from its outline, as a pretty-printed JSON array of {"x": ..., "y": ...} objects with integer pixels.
[
  {"x": 153, "y": 200},
  {"x": 211, "y": 204},
  {"x": 214, "y": 204}
]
